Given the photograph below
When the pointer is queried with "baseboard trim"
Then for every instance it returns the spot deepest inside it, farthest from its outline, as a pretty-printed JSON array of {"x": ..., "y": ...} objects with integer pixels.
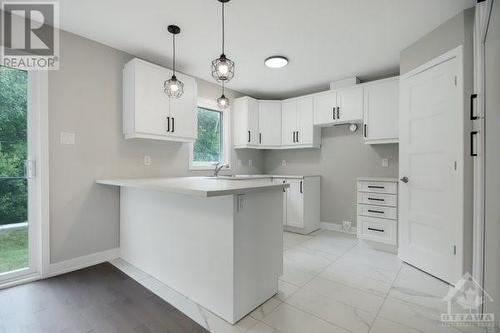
[
  {"x": 336, "y": 227},
  {"x": 20, "y": 280},
  {"x": 82, "y": 262}
]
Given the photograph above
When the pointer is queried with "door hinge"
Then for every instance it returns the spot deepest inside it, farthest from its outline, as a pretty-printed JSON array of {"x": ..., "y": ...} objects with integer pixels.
[{"x": 454, "y": 250}]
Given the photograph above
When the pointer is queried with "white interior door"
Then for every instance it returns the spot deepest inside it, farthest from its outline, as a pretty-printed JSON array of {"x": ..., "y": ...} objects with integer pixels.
[{"x": 429, "y": 152}]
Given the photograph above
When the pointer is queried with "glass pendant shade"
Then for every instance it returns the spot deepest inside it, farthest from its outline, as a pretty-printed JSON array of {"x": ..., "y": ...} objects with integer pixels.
[
  {"x": 223, "y": 102},
  {"x": 173, "y": 87},
  {"x": 223, "y": 69}
]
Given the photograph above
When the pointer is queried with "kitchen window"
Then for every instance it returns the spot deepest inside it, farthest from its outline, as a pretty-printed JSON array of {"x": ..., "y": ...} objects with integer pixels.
[{"x": 212, "y": 144}]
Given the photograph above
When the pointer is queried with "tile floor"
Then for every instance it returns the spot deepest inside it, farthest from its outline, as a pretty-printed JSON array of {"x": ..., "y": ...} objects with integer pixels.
[{"x": 331, "y": 283}]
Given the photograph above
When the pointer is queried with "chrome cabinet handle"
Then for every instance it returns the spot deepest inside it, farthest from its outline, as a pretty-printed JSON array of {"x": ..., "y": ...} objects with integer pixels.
[{"x": 375, "y": 229}]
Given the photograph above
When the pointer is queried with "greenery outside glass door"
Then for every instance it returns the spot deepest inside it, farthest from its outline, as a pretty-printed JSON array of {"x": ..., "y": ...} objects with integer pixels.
[{"x": 14, "y": 240}]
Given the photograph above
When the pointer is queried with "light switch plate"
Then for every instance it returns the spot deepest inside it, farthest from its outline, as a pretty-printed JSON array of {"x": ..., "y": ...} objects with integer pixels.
[
  {"x": 67, "y": 138},
  {"x": 283, "y": 163},
  {"x": 147, "y": 160},
  {"x": 385, "y": 162}
]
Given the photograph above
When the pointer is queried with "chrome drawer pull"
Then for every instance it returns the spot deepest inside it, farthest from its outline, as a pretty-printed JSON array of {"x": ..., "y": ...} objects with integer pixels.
[
  {"x": 375, "y": 229},
  {"x": 375, "y": 211},
  {"x": 376, "y": 199}
]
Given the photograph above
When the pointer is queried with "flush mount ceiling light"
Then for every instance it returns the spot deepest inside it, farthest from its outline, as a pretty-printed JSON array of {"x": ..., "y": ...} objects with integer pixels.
[
  {"x": 223, "y": 101},
  {"x": 276, "y": 62},
  {"x": 173, "y": 87},
  {"x": 223, "y": 67}
]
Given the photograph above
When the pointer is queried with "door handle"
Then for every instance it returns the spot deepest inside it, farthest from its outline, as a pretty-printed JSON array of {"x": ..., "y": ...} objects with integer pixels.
[
  {"x": 168, "y": 124},
  {"x": 173, "y": 124},
  {"x": 472, "y": 98},
  {"x": 472, "y": 136},
  {"x": 249, "y": 136},
  {"x": 405, "y": 179},
  {"x": 375, "y": 229}
]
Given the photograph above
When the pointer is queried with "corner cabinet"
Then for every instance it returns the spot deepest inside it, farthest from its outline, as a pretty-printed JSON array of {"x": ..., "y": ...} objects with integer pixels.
[
  {"x": 148, "y": 113},
  {"x": 381, "y": 111},
  {"x": 301, "y": 204}
]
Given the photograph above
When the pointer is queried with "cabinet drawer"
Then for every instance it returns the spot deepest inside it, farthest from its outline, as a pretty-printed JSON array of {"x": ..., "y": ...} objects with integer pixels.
[
  {"x": 378, "y": 230},
  {"x": 378, "y": 187},
  {"x": 378, "y": 211},
  {"x": 378, "y": 199}
]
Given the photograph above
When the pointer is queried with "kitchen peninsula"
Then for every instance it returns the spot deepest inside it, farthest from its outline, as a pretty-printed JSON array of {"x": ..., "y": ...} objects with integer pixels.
[{"x": 216, "y": 241}]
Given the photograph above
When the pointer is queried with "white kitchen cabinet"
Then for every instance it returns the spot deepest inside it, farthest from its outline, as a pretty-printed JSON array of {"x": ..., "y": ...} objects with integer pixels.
[
  {"x": 349, "y": 105},
  {"x": 325, "y": 107},
  {"x": 269, "y": 124},
  {"x": 302, "y": 204},
  {"x": 246, "y": 122},
  {"x": 149, "y": 113},
  {"x": 377, "y": 211},
  {"x": 298, "y": 130},
  {"x": 381, "y": 111}
]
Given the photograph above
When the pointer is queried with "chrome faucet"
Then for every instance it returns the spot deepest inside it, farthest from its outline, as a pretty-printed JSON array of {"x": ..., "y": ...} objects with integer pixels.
[{"x": 218, "y": 167}]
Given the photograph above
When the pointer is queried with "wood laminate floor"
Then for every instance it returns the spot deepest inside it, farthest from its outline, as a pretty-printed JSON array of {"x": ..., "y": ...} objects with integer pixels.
[{"x": 96, "y": 299}]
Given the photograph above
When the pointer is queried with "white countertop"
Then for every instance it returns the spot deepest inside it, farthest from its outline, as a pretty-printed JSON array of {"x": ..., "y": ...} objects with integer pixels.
[
  {"x": 264, "y": 176},
  {"x": 198, "y": 186},
  {"x": 378, "y": 179}
]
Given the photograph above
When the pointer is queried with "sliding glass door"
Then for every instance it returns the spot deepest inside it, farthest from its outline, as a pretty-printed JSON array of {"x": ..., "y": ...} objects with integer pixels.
[{"x": 16, "y": 172}]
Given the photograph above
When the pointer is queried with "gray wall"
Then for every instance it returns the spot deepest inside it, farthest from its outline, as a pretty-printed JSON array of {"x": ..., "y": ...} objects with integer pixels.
[
  {"x": 85, "y": 97},
  {"x": 452, "y": 33},
  {"x": 492, "y": 183},
  {"x": 342, "y": 158}
]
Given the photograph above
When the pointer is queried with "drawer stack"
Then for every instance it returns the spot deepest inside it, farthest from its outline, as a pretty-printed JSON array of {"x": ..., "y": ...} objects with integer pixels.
[{"x": 378, "y": 210}]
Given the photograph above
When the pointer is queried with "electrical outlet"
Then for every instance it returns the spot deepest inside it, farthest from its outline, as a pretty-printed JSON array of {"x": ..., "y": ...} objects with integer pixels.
[
  {"x": 283, "y": 163},
  {"x": 147, "y": 160},
  {"x": 240, "y": 163},
  {"x": 347, "y": 226},
  {"x": 250, "y": 163},
  {"x": 67, "y": 138},
  {"x": 385, "y": 163}
]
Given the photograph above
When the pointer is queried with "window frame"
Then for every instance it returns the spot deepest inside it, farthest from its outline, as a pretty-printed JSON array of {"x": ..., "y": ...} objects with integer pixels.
[{"x": 226, "y": 137}]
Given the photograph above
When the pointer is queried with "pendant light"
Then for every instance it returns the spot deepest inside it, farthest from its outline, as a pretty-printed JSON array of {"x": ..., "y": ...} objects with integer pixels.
[
  {"x": 223, "y": 101},
  {"x": 173, "y": 87},
  {"x": 223, "y": 67}
]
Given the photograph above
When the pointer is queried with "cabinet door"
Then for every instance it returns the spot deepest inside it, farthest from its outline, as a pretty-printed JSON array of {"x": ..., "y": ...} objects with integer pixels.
[
  {"x": 305, "y": 125},
  {"x": 184, "y": 120},
  {"x": 246, "y": 122},
  {"x": 289, "y": 122},
  {"x": 381, "y": 111},
  {"x": 295, "y": 204},
  {"x": 325, "y": 105},
  {"x": 151, "y": 105},
  {"x": 253, "y": 121},
  {"x": 270, "y": 123},
  {"x": 350, "y": 104}
]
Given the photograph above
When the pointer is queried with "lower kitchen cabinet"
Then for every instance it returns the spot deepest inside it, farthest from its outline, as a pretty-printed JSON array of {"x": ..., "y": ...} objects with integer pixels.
[{"x": 301, "y": 204}]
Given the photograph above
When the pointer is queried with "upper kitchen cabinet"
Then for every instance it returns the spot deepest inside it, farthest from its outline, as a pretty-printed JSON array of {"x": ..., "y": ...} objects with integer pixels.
[
  {"x": 149, "y": 113},
  {"x": 269, "y": 124},
  {"x": 338, "y": 106},
  {"x": 298, "y": 130},
  {"x": 381, "y": 111},
  {"x": 246, "y": 123}
]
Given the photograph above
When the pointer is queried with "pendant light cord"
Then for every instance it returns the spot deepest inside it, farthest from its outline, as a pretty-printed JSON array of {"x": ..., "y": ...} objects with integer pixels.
[
  {"x": 223, "y": 29},
  {"x": 173, "y": 58}
]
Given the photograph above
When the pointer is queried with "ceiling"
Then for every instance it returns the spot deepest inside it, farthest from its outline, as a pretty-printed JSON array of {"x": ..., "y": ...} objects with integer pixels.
[{"x": 325, "y": 40}]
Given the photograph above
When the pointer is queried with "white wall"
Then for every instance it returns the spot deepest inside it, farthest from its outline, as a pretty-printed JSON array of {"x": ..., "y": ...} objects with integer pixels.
[
  {"x": 342, "y": 158},
  {"x": 85, "y": 97}
]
